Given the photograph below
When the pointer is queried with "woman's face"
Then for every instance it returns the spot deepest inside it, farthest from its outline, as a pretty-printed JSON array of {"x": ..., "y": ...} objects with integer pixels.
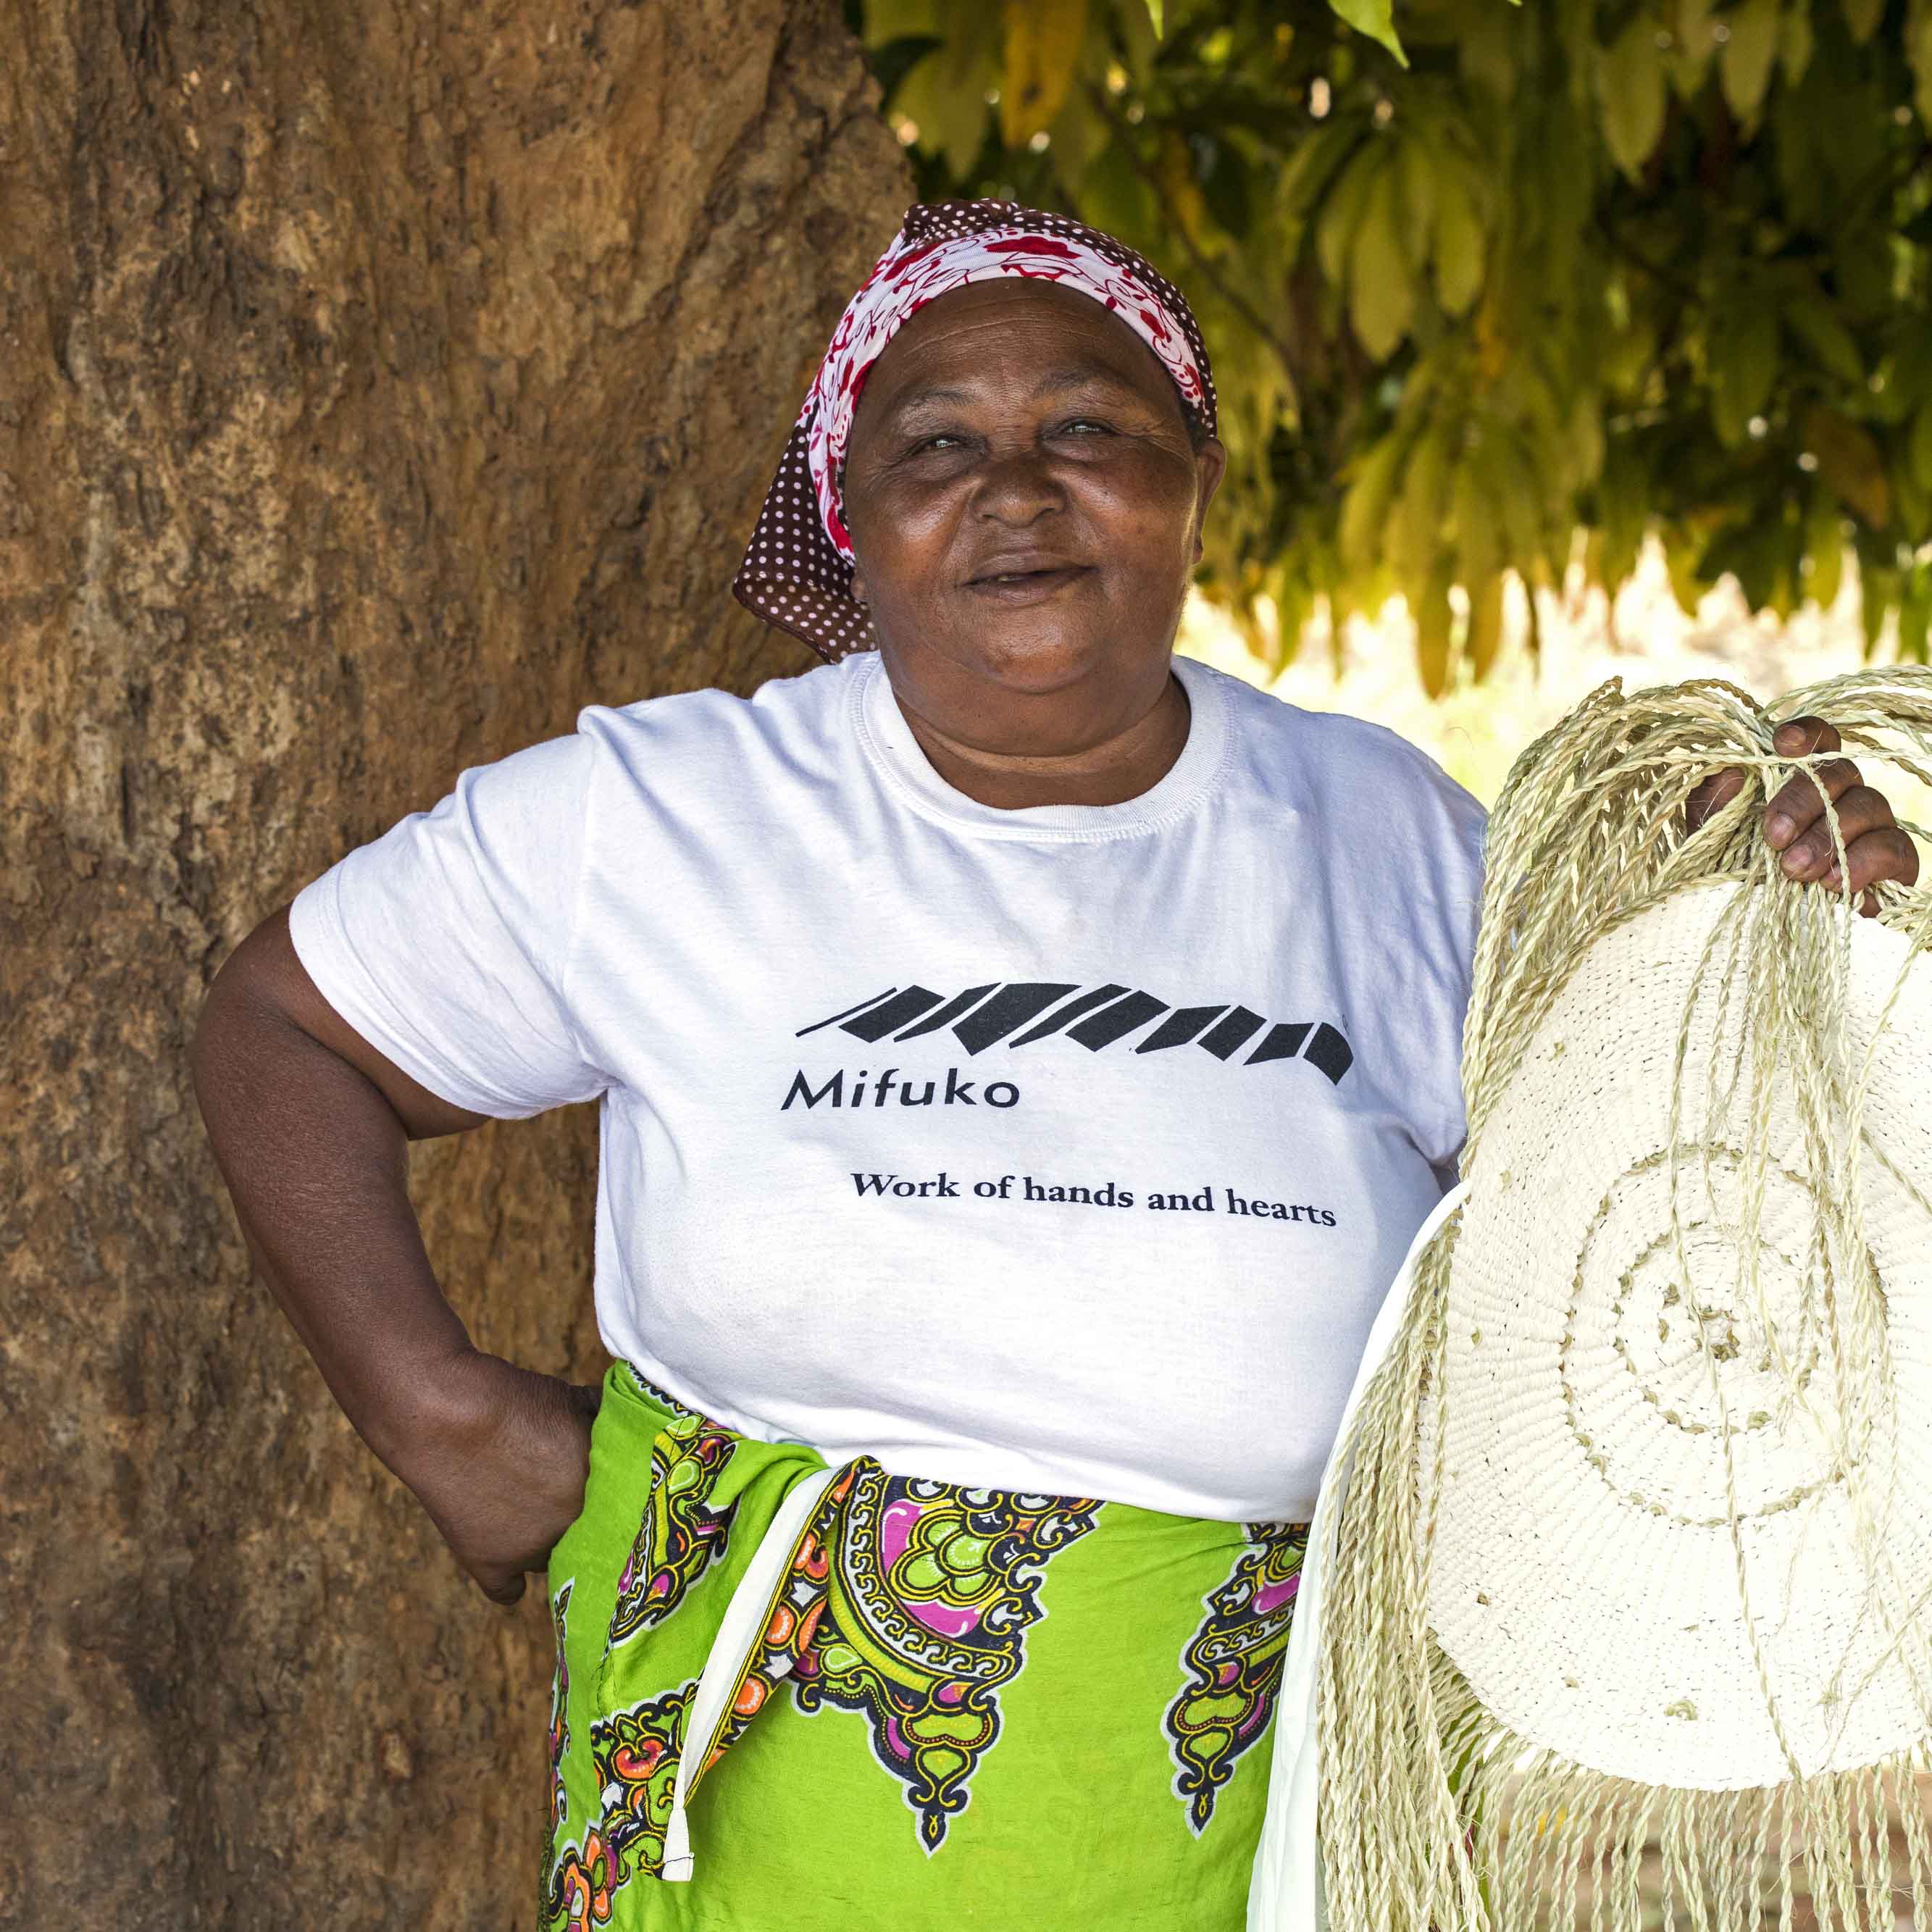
[{"x": 1025, "y": 504}]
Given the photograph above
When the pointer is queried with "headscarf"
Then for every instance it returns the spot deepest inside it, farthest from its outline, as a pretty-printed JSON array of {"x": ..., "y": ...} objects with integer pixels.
[{"x": 797, "y": 571}]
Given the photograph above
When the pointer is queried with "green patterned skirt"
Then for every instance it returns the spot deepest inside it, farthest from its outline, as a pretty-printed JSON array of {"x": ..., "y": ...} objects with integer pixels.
[{"x": 794, "y": 1698}]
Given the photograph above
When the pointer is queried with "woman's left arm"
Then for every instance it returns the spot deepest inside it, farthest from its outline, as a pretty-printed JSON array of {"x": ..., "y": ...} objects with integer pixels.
[{"x": 1876, "y": 848}]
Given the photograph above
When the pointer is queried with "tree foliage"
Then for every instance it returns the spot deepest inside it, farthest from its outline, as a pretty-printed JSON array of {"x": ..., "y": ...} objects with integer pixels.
[{"x": 1506, "y": 296}]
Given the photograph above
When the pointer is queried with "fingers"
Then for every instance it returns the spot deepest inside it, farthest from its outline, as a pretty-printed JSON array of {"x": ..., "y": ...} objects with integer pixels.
[
  {"x": 1860, "y": 810},
  {"x": 1886, "y": 852},
  {"x": 1713, "y": 795},
  {"x": 1798, "y": 736},
  {"x": 1875, "y": 848},
  {"x": 1798, "y": 806},
  {"x": 1795, "y": 824}
]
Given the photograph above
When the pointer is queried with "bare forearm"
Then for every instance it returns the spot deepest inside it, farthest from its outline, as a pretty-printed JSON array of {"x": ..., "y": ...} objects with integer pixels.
[
  {"x": 311, "y": 1125},
  {"x": 316, "y": 1158}
]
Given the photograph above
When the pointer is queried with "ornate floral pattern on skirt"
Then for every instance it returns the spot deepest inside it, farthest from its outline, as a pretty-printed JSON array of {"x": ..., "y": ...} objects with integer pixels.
[
  {"x": 919, "y": 1617},
  {"x": 1232, "y": 1665},
  {"x": 680, "y": 1533},
  {"x": 559, "y": 1705},
  {"x": 636, "y": 1753},
  {"x": 560, "y": 1742},
  {"x": 582, "y": 1888},
  {"x": 906, "y": 1601}
]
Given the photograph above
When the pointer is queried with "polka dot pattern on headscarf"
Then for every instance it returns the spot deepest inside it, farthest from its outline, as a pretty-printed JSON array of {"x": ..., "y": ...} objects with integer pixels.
[{"x": 797, "y": 570}]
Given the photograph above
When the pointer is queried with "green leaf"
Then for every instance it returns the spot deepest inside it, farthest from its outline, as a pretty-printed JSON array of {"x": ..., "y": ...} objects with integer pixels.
[
  {"x": 1812, "y": 319},
  {"x": 1878, "y": 592},
  {"x": 1381, "y": 285},
  {"x": 1461, "y": 249},
  {"x": 1180, "y": 189},
  {"x": 1862, "y": 17},
  {"x": 1796, "y": 41},
  {"x": 1748, "y": 552},
  {"x": 945, "y": 95},
  {"x": 1630, "y": 95},
  {"x": 1743, "y": 67},
  {"x": 1115, "y": 196},
  {"x": 1416, "y": 172},
  {"x": 1915, "y": 617},
  {"x": 1918, "y": 449},
  {"x": 1514, "y": 497},
  {"x": 1902, "y": 386},
  {"x": 1078, "y": 134},
  {"x": 1680, "y": 560},
  {"x": 1518, "y": 490},
  {"x": 1825, "y": 545},
  {"x": 1850, "y": 460},
  {"x": 1918, "y": 54},
  {"x": 1582, "y": 438},
  {"x": 1313, "y": 166},
  {"x": 1489, "y": 39},
  {"x": 891, "y": 62},
  {"x": 889, "y": 20},
  {"x": 1342, "y": 212},
  {"x": 1140, "y": 44},
  {"x": 1474, "y": 525},
  {"x": 1743, "y": 352},
  {"x": 1415, "y": 531},
  {"x": 1044, "y": 38},
  {"x": 1911, "y": 506},
  {"x": 1371, "y": 17},
  {"x": 1486, "y": 625},
  {"x": 1693, "y": 41},
  {"x": 1622, "y": 509},
  {"x": 1365, "y": 507},
  {"x": 1435, "y": 621}
]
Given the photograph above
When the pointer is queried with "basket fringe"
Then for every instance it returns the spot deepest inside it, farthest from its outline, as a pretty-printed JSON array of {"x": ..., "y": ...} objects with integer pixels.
[{"x": 1434, "y": 1815}]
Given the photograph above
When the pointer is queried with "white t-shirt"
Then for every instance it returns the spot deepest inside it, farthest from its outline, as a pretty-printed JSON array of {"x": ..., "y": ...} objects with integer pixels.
[{"x": 1070, "y": 1149}]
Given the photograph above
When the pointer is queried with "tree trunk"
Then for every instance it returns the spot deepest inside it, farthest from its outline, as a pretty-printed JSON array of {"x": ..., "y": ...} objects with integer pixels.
[{"x": 378, "y": 385}]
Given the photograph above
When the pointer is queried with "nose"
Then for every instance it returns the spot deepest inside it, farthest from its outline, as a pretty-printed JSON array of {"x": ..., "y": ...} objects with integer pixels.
[{"x": 1016, "y": 486}]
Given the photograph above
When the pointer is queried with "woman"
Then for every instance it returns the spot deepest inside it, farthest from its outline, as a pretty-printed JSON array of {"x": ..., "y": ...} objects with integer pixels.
[{"x": 1024, "y": 1058}]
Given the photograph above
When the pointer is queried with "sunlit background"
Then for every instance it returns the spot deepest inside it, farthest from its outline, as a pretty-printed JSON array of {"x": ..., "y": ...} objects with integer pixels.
[{"x": 1476, "y": 731}]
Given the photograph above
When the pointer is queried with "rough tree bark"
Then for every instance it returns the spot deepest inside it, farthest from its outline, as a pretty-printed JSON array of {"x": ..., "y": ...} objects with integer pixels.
[{"x": 378, "y": 384}]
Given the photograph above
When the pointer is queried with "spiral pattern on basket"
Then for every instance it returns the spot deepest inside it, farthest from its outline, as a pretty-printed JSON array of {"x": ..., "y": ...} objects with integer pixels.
[{"x": 1663, "y": 1352}]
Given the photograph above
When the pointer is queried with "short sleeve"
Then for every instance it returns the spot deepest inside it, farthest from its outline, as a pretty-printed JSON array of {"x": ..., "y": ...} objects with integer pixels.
[
  {"x": 446, "y": 943},
  {"x": 1406, "y": 903},
  {"x": 1458, "y": 917}
]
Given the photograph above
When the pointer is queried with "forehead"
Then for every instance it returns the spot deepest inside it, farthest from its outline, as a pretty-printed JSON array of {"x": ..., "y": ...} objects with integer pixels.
[{"x": 999, "y": 331}]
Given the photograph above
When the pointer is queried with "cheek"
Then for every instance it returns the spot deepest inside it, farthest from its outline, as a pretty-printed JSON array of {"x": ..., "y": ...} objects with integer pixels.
[
  {"x": 1149, "y": 525},
  {"x": 898, "y": 535}
]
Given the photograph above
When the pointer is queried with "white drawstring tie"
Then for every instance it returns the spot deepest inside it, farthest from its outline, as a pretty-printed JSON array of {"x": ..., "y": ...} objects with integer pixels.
[{"x": 746, "y": 1618}]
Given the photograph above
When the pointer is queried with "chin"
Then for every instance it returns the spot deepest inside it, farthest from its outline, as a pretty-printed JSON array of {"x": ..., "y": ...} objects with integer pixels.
[{"x": 1039, "y": 665}]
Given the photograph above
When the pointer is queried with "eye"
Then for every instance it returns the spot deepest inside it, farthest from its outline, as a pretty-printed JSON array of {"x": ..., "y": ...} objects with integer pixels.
[
  {"x": 932, "y": 442},
  {"x": 1088, "y": 422}
]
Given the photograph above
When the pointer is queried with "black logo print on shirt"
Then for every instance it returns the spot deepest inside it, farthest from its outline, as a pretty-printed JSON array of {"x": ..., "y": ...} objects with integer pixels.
[{"x": 1096, "y": 1017}]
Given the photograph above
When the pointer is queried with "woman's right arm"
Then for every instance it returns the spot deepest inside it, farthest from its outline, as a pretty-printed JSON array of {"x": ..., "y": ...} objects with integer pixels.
[{"x": 310, "y": 1126}]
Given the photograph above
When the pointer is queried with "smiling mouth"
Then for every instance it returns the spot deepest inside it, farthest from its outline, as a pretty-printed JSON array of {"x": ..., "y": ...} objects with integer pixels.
[{"x": 1010, "y": 582}]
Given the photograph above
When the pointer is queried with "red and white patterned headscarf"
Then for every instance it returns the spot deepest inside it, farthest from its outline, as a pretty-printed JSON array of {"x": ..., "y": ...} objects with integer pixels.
[{"x": 797, "y": 571}]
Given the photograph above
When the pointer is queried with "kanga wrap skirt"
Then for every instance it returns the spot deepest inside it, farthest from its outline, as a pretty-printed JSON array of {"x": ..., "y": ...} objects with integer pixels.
[{"x": 791, "y": 1697}]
